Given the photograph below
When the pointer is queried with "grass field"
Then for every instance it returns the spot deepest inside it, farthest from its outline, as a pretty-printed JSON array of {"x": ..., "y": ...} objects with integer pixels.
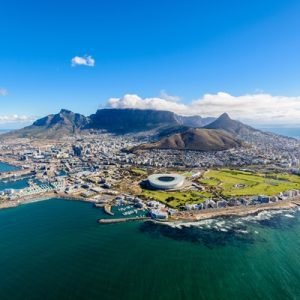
[
  {"x": 176, "y": 199},
  {"x": 241, "y": 183},
  {"x": 140, "y": 172},
  {"x": 228, "y": 183}
]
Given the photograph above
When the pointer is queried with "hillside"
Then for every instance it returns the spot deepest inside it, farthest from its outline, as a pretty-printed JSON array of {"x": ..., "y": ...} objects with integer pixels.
[
  {"x": 224, "y": 122},
  {"x": 65, "y": 123},
  {"x": 136, "y": 120},
  {"x": 130, "y": 120},
  {"x": 197, "y": 139}
]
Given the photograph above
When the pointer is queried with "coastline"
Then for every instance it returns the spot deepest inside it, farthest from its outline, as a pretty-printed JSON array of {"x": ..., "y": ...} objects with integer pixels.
[
  {"x": 185, "y": 216},
  {"x": 240, "y": 211},
  {"x": 42, "y": 197}
]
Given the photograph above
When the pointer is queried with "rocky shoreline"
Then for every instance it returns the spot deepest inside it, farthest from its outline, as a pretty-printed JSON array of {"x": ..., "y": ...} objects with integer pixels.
[
  {"x": 185, "y": 216},
  {"x": 240, "y": 211}
]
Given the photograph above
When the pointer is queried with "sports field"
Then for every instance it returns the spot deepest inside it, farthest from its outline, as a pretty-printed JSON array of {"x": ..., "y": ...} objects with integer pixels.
[{"x": 243, "y": 183}]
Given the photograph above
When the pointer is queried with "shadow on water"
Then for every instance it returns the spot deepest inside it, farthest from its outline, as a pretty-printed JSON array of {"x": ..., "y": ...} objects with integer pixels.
[
  {"x": 234, "y": 231},
  {"x": 281, "y": 221},
  {"x": 208, "y": 237}
]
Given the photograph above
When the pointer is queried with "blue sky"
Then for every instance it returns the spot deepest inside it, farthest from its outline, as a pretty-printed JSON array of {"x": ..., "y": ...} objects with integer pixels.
[{"x": 185, "y": 48}]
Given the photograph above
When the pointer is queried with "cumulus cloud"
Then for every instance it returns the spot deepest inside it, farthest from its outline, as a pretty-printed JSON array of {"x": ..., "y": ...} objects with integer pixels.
[
  {"x": 164, "y": 95},
  {"x": 258, "y": 108},
  {"x": 3, "y": 91},
  {"x": 134, "y": 101},
  {"x": 87, "y": 60},
  {"x": 16, "y": 119}
]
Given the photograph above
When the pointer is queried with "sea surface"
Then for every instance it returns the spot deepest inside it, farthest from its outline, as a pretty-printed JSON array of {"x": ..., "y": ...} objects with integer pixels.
[
  {"x": 14, "y": 184},
  {"x": 55, "y": 249},
  {"x": 4, "y": 167},
  {"x": 286, "y": 131}
]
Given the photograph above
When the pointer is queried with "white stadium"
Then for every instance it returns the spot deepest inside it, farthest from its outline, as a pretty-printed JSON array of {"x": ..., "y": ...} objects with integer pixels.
[{"x": 166, "y": 181}]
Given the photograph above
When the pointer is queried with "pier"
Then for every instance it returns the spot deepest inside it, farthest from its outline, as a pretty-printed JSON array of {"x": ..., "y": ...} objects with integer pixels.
[
  {"x": 15, "y": 174},
  {"x": 121, "y": 220},
  {"x": 107, "y": 209}
]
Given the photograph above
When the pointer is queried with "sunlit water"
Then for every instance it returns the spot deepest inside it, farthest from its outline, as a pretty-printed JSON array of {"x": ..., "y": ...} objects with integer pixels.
[
  {"x": 4, "y": 167},
  {"x": 55, "y": 249},
  {"x": 11, "y": 183}
]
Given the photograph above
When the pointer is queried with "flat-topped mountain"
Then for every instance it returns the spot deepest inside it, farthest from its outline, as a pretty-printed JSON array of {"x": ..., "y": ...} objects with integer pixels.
[
  {"x": 135, "y": 120},
  {"x": 198, "y": 139},
  {"x": 119, "y": 121},
  {"x": 130, "y": 120},
  {"x": 151, "y": 123}
]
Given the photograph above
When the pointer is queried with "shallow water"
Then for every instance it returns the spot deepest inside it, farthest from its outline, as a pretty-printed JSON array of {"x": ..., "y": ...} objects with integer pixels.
[
  {"x": 56, "y": 250},
  {"x": 4, "y": 167},
  {"x": 14, "y": 184}
]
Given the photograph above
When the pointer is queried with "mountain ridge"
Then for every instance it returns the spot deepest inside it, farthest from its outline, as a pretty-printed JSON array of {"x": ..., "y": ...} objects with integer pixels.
[{"x": 118, "y": 121}]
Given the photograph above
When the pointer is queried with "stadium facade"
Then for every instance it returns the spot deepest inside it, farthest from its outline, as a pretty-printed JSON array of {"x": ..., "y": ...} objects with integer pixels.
[{"x": 166, "y": 181}]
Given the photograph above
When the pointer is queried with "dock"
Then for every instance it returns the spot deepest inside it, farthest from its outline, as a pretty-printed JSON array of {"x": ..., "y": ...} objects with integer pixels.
[
  {"x": 121, "y": 220},
  {"x": 99, "y": 204},
  {"x": 15, "y": 174},
  {"x": 107, "y": 209}
]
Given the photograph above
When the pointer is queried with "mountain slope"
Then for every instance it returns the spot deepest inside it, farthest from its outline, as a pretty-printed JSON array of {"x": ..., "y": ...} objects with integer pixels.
[
  {"x": 195, "y": 121},
  {"x": 197, "y": 139},
  {"x": 224, "y": 122},
  {"x": 135, "y": 120},
  {"x": 130, "y": 120},
  {"x": 65, "y": 123}
]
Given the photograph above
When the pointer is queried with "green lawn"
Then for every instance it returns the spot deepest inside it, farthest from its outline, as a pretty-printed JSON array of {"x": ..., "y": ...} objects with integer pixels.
[
  {"x": 240, "y": 183},
  {"x": 176, "y": 199},
  {"x": 139, "y": 171},
  {"x": 228, "y": 183}
]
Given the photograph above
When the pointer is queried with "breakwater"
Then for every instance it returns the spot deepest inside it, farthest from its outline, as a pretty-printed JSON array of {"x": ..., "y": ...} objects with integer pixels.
[{"x": 121, "y": 220}]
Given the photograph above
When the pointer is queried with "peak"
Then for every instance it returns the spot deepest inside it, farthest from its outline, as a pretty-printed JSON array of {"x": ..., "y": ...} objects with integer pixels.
[
  {"x": 65, "y": 111},
  {"x": 224, "y": 116}
]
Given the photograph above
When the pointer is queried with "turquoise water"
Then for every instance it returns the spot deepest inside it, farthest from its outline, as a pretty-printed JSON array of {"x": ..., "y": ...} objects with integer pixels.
[
  {"x": 17, "y": 184},
  {"x": 11, "y": 184},
  {"x": 56, "y": 250},
  {"x": 4, "y": 167}
]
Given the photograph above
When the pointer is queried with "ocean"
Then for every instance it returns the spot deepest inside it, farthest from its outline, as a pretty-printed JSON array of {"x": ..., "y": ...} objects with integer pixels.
[
  {"x": 55, "y": 249},
  {"x": 286, "y": 131},
  {"x": 4, "y": 167}
]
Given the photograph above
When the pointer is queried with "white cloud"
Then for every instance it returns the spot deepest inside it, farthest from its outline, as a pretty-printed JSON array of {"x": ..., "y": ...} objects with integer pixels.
[
  {"x": 134, "y": 101},
  {"x": 3, "y": 92},
  {"x": 87, "y": 60},
  {"x": 258, "y": 108},
  {"x": 164, "y": 95},
  {"x": 16, "y": 119}
]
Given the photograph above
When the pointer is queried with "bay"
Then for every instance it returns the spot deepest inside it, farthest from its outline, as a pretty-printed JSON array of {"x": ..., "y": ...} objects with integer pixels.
[{"x": 55, "y": 249}]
